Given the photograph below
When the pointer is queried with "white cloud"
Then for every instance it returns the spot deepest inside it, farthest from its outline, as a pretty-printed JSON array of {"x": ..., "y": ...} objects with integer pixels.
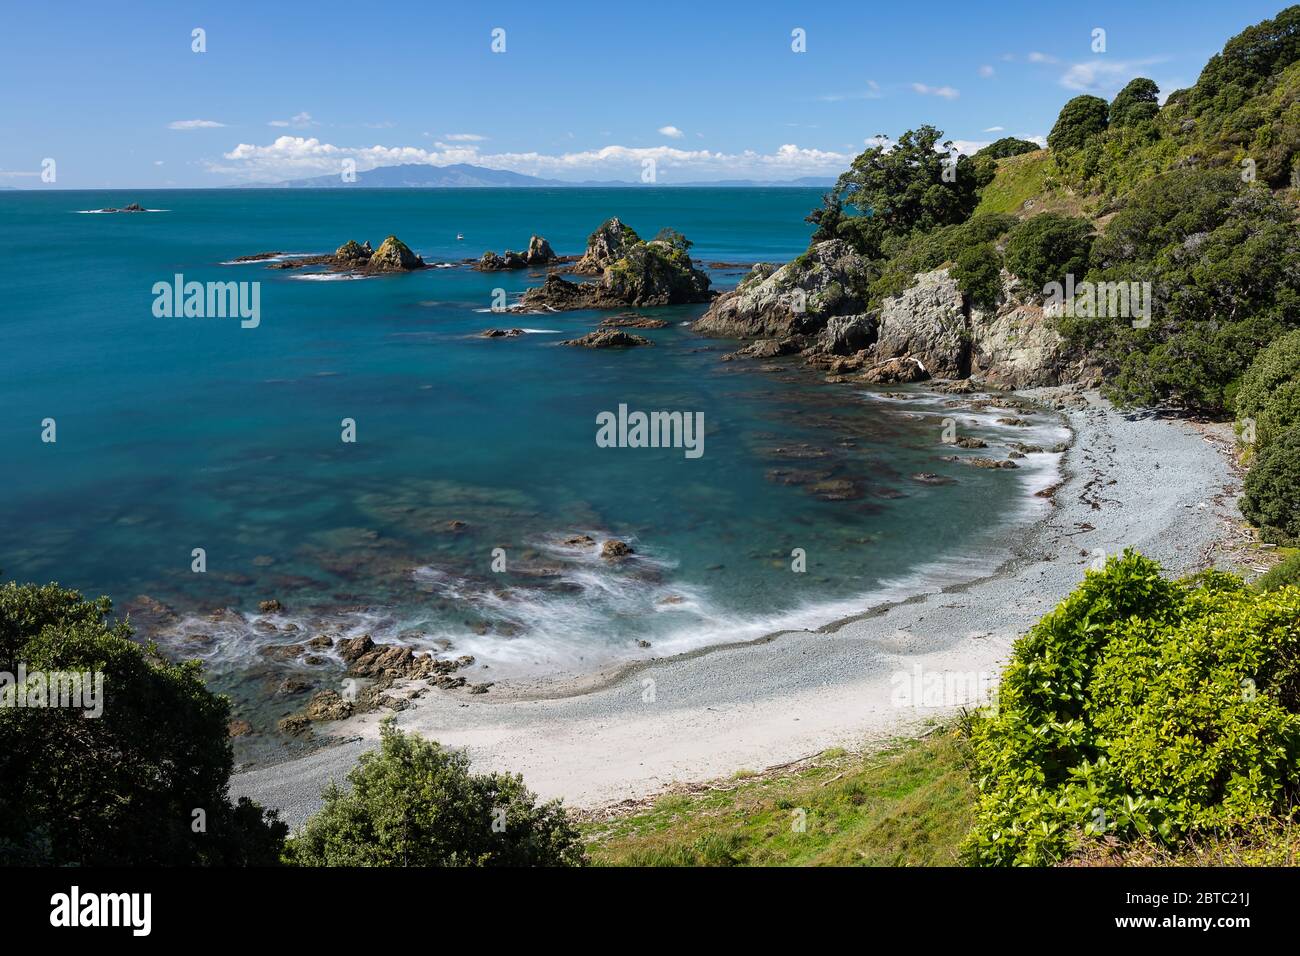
[
  {"x": 157, "y": 162},
  {"x": 968, "y": 147},
  {"x": 672, "y": 132},
  {"x": 299, "y": 121},
  {"x": 296, "y": 156},
  {"x": 1036, "y": 57},
  {"x": 986, "y": 71},
  {"x": 995, "y": 129},
  {"x": 195, "y": 124},
  {"x": 464, "y": 138},
  {"x": 947, "y": 92},
  {"x": 1102, "y": 75}
]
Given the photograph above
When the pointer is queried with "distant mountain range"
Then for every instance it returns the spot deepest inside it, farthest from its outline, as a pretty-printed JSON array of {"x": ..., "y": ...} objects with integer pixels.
[{"x": 423, "y": 176}]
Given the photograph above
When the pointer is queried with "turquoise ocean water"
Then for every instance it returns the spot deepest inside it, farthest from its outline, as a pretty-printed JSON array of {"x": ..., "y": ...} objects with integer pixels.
[{"x": 183, "y": 433}]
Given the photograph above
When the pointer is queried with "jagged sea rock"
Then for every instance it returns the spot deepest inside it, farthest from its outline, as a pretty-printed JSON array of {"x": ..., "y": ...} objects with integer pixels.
[
  {"x": 655, "y": 273},
  {"x": 353, "y": 251},
  {"x": 539, "y": 252},
  {"x": 798, "y": 298},
  {"x": 605, "y": 246},
  {"x": 393, "y": 255}
]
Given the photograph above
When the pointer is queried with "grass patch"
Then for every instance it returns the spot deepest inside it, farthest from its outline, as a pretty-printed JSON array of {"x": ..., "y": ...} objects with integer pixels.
[
  {"x": 1018, "y": 179},
  {"x": 907, "y": 806}
]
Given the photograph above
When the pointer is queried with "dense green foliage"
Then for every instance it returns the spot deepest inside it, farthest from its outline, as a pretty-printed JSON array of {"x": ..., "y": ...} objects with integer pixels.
[
  {"x": 415, "y": 803},
  {"x": 1006, "y": 146},
  {"x": 978, "y": 271},
  {"x": 890, "y": 193},
  {"x": 1139, "y": 102},
  {"x": 121, "y": 788},
  {"x": 1271, "y": 492},
  {"x": 1048, "y": 247},
  {"x": 1140, "y": 708},
  {"x": 1080, "y": 120},
  {"x": 1222, "y": 258},
  {"x": 1285, "y": 573},
  {"x": 1268, "y": 399}
]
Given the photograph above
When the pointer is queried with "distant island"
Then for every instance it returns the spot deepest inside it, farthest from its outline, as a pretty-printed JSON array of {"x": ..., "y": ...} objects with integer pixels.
[{"x": 425, "y": 176}]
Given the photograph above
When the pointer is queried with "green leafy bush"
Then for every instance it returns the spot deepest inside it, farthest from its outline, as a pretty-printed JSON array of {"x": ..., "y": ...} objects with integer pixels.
[
  {"x": 978, "y": 271},
  {"x": 1271, "y": 492},
  {"x": 122, "y": 788},
  {"x": 1269, "y": 393},
  {"x": 1008, "y": 146},
  {"x": 1080, "y": 120},
  {"x": 1284, "y": 574},
  {"x": 1046, "y": 248},
  {"x": 1140, "y": 708},
  {"x": 415, "y": 803}
]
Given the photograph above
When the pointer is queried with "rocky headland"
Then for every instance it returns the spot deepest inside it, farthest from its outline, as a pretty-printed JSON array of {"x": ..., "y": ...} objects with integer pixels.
[{"x": 818, "y": 306}]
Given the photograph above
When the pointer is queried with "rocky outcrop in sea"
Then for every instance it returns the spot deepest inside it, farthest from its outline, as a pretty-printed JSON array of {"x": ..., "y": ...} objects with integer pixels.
[
  {"x": 392, "y": 256},
  {"x": 539, "y": 253},
  {"x": 632, "y": 273}
]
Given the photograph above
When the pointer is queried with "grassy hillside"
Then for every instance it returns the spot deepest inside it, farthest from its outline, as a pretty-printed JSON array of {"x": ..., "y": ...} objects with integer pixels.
[{"x": 910, "y": 805}]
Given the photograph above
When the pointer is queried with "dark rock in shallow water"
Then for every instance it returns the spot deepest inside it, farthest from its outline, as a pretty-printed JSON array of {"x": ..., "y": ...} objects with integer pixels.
[
  {"x": 501, "y": 333},
  {"x": 895, "y": 371},
  {"x": 930, "y": 478},
  {"x": 632, "y": 322},
  {"x": 615, "y": 550},
  {"x": 608, "y": 339}
]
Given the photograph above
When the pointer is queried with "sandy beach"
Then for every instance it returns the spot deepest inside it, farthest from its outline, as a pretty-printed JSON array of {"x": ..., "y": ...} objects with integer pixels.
[{"x": 1165, "y": 487}]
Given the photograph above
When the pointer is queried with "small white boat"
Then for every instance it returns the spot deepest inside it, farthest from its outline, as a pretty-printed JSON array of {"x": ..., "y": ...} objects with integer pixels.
[{"x": 460, "y": 235}]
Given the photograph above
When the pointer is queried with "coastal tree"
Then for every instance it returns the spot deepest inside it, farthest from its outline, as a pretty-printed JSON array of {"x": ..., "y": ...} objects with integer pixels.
[
  {"x": 894, "y": 191},
  {"x": 1081, "y": 119},
  {"x": 416, "y": 803},
  {"x": 1047, "y": 247},
  {"x": 121, "y": 788},
  {"x": 1138, "y": 102}
]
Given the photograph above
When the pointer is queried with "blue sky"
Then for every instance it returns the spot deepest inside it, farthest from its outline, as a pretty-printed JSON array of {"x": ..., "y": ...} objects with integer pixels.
[{"x": 710, "y": 90}]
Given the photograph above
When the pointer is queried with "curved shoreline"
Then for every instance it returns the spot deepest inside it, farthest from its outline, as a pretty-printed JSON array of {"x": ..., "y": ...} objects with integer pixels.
[{"x": 634, "y": 729}]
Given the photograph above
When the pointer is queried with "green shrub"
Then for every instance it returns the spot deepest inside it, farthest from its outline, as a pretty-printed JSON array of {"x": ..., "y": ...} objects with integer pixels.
[
  {"x": 415, "y": 803},
  {"x": 1140, "y": 708},
  {"x": 1269, "y": 393},
  {"x": 1008, "y": 146},
  {"x": 1046, "y": 248},
  {"x": 978, "y": 271},
  {"x": 1271, "y": 492},
  {"x": 122, "y": 788},
  {"x": 1080, "y": 120},
  {"x": 1285, "y": 574}
]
